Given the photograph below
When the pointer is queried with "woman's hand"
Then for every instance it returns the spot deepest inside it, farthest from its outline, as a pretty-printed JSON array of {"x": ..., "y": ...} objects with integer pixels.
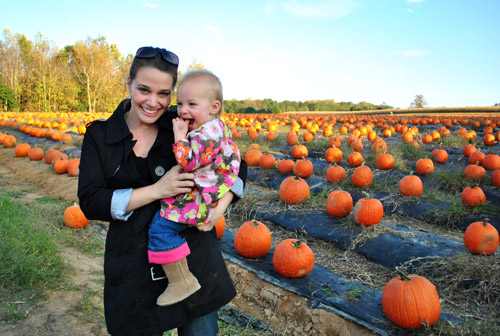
[
  {"x": 218, "y": 212},
  {"x": 174, "y": 183}
]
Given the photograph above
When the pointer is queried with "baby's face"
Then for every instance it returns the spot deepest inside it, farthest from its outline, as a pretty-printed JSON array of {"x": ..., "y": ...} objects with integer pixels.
[{"x": 194, "y": 103}]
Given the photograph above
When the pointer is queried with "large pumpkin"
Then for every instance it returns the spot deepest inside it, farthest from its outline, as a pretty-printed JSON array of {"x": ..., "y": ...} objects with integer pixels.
[
  {"x": 495, "y": 178},
  {"x": 267, "y": 161},
  {"x": 474, "y": 172},
  {"x": 299, "y": 151},
  {"x": 220, "y": 227},
  {"x": 491, "y": 161},
  {"x": 22, "y": 150},
  {"x": 304, "y": 167},
  {"x": 368, "y": 211},
  {"x": 285, "y": 166},
  {"x": 384, "y": 161},
  {"x": 424, "y": 166},
  {"x": 335, "y": 174},
  {"x": 294, "y": 190},
  {"x": 292, "y": 258},
  {"x": 339, "y": 203},
  {"x": 481, "y": 238},
  {"x": 333, "y": 155},
  {"x": 253, "y": 240},
  {"x": 74, "y": 218},
  {"x": 411, "y": 301},
  {"x": 252, "y": 157},
  {"x": 439, "y": 155}
]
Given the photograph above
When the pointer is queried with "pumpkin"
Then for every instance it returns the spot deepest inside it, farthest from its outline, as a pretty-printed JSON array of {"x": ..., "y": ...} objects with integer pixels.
[
  {"x": 50, "y": 155},
  {"x": 481, "y": 238},
  {"x": 362, "y": 176},
  {"x": 424, "y": 166},
  {"x": 74, "y": 167},
  {"x": 61, "y": 166},
  {"x": 292, "y": 139},
  {"x": 489, "y": 139},
  {"x": 335, "y": 174},
  {"x": 285, "y": 166},
  {"x": 379, "y": 146},
  {"x": 267, "y": 161},
  {"x": 294, "y": 190},
  {"x": 22, "y": 150},
  {"x": 411, "y": 185},
  {"x": 477, "y": 156},
  {"x": 252, "y": 157},
  {"x": 292, "y": 258},
  {"x": 333, "y": 155},
  {"x": 384, "y": 161},
  {"x": 339, "y": 203},
  {"x": 253, "y": 240},
  {"x": 495, "y": 178},
  {"x": 439, "y": 155},
  {"x": 467, "y": 150},
  {"x": 474, "y": 172},
  {"x": 303, "y": 167},
  {"x": 355, "y": 159},
  {"x": 74, "y": 217},
  {"x": 220, "y": 227},
  {"x": 491, "y": 161},
  {"x": 473, "y": 196},
  {"x": 270, "y": 136},
  {"x": 9, "y": 141},
  {"x": 368, "y": 211},
  {"x": 411, "y": 301},
  {"x": 35, "y": 154},
  {"x": 299, "y": 151}
]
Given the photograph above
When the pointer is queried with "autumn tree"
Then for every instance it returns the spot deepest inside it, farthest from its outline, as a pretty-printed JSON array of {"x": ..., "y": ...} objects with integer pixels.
[{"x": 418, "y": 102}]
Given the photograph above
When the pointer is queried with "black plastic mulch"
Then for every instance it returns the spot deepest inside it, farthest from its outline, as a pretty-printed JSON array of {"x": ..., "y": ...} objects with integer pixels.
[{"x": 326, "y": 290}]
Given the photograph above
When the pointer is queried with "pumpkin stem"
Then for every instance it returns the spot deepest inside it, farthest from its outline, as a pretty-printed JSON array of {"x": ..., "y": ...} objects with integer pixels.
[
  {"x": 255, "y": 223},
  {"x": 485, "y": 222},
  {"x": 404, "y": 276},
  {"x": 298, "y": 176},
  {"x": 297, "y": 243},
  {"x": 367, "y": 195}
]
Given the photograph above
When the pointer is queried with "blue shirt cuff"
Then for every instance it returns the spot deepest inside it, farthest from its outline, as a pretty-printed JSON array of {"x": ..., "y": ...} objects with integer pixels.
[
  {"x": 237, "y": 188},
  {"x": 119, "y": 204}
]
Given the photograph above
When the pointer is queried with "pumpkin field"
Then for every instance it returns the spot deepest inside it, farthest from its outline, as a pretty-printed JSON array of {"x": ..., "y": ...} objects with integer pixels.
[{"x": 351, "y": 224}]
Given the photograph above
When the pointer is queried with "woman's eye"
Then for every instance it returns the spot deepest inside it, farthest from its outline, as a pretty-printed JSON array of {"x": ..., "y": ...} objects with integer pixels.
[
  {"x": 143, "y": 89},
  {"x": 165, "y": 94}
]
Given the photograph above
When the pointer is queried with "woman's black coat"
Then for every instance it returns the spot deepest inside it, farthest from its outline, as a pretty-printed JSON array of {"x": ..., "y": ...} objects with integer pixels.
[{"x": 132, "y": 285}]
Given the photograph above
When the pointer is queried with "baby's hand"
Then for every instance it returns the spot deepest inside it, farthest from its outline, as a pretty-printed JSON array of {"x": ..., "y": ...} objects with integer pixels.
[{"x": 180, "y": 128}]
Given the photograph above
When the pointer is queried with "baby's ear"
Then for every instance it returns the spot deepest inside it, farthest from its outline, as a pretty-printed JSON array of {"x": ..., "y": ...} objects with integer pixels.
[{"x": 216, "y": 105}]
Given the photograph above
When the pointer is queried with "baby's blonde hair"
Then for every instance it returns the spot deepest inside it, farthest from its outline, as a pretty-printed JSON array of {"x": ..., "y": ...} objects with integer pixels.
[{"x": 214, "y": 84}]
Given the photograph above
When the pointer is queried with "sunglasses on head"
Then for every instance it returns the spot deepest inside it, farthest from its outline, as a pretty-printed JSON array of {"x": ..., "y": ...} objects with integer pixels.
[{"x": 149, "y": 52}]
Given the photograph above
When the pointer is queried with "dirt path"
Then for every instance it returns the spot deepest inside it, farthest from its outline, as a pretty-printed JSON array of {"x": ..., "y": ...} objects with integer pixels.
[{"x": 280, "y": 310}]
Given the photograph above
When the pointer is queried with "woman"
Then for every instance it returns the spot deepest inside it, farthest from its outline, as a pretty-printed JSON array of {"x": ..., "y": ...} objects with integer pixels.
[{"x": 123, "y": 176}]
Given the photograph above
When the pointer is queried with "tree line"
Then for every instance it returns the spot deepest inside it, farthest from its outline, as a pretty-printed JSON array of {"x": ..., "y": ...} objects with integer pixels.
[{"x": 91, "y": 76}]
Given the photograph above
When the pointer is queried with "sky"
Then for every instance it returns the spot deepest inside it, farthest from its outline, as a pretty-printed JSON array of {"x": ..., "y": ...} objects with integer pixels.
[{"x": 378, "y": 51}]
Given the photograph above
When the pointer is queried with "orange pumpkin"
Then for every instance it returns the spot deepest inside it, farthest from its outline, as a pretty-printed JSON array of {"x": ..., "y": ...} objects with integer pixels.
[
  {"x": 368, "y": 211},
  {"x": 252, "y": 157},
  {"x": 333, "y": 155},
  {"x": 439, "y": 155},
  {"x": 362, "y": 176},
  {"x": 339, "y": 203},
  {"x": 74, "y": 167},
  {"x": 477, "y": 156},
  {"x": 267, "y": 161},
  {"x": 411, "y": 301},
  {"x": 253, "y": 240},
  {"x": 285, "y": 166},
  {"x": 74, "y": 217},
  {"x": 384, "y": 161},
  {"x": 335, "y": 174},
  {"x": 292, "y": 258},
  {"x": 292, "y": 139},
  {"x": 220, "y": 227},
  {"x": 481, "y": 238},
  {"x": 424, "y": 166},
  {"x": 22, "y": 150},
  {"x": 467, "y": 150},
  {"x": 35, "y": 154},
  {"x": 473, "y": 196},
  {"x": 491, "y": 161},
  {"x": 299, "y": 151},
  {"x": 411, "y": 185},
  {"x": 355, "y": 159},
  {"x": 495, "y": 178},
  {"x": 474, "y": 172},
  {"x": 61, "y": 166},
  {"x": 303, "y": 167},
  {"x": 294, "y": 190}
]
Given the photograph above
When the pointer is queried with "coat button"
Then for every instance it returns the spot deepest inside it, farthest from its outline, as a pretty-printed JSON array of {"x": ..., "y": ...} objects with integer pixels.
[{"x": 159, "y": 171}]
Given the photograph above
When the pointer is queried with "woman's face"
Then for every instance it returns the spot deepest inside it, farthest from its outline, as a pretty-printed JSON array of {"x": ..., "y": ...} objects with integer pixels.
[{"x": 151, "y": 92}]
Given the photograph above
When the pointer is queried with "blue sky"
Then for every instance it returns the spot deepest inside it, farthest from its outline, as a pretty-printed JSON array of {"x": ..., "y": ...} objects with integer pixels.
[{"x": 346, "y": 50}]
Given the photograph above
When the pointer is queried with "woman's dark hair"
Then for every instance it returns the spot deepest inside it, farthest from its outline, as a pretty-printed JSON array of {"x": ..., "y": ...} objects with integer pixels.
[{"x": 156, "y": 62}]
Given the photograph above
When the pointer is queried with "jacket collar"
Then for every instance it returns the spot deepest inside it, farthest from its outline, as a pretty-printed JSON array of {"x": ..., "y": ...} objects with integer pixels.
[{"x": 117, "y": 128}]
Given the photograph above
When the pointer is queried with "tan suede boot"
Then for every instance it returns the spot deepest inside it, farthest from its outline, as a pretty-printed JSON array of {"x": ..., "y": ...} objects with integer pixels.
[{"x": 181, "y": 283}]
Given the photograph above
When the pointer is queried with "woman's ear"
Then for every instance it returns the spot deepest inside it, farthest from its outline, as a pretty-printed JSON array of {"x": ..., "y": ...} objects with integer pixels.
[{"x": 216, "y": 105}]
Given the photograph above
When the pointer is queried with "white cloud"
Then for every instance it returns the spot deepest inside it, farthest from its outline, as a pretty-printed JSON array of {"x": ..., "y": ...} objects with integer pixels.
[
  {"x": 409, "y": 10},
  {"x": 323, "y": 9},
  {"x": 410, "y": 1},
  {"x": 411, "y": 53},
  {"x": 150, "y": 5}
]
